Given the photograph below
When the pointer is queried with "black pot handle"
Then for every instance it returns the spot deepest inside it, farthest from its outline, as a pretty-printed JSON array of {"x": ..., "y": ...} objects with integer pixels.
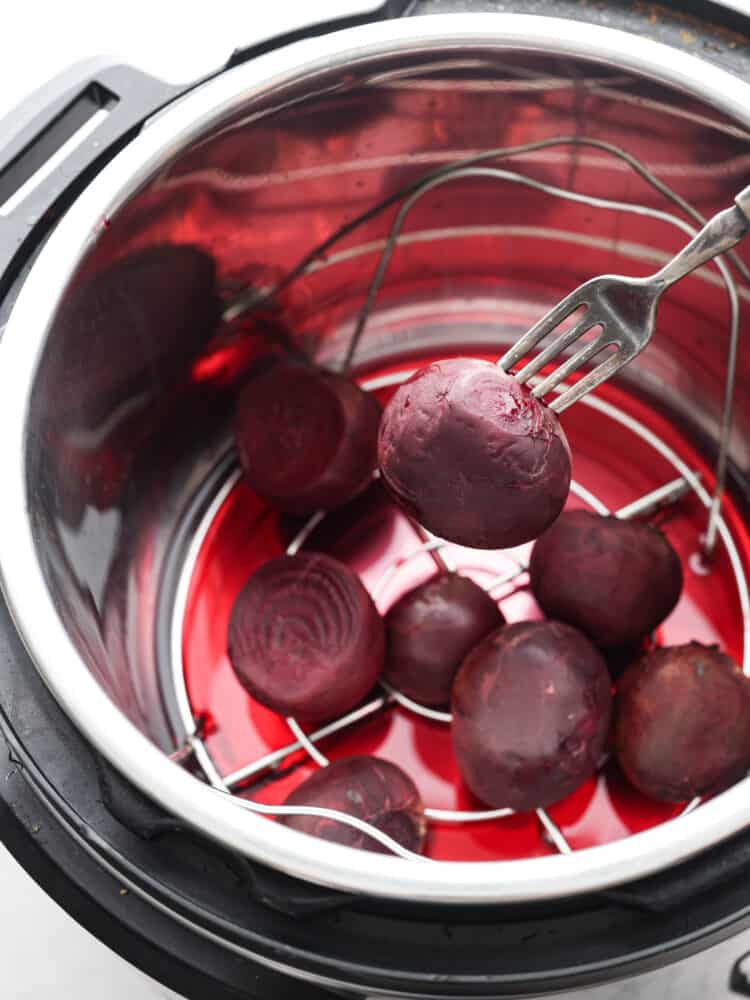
[
  {"x": 147, "y": 820},
  {"x": 54, "y": 150}
]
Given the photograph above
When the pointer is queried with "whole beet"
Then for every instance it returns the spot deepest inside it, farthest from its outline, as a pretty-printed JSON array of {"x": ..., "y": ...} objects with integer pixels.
[
  {"x": 306, "y": 438},
  {"x": 305, "y": 638},
  {"x": 531, "y": 708},
  {"x": 619, "y": 658},
  {"x": 430, "y": 630},
  {"x": 469, "y": 452},
  {"x": 615, "y": 580},
  {"x": 368, "y": 788},
  {"x": 683, "y": 722}
]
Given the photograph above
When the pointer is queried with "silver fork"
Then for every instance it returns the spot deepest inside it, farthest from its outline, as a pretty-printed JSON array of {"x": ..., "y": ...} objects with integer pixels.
[{"x": 624, "y": 308}]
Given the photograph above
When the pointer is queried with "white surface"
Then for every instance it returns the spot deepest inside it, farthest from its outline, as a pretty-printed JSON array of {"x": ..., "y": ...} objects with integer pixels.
[
  {"x": 178, "y": 40},
  {"x": 44, "y": 955}
]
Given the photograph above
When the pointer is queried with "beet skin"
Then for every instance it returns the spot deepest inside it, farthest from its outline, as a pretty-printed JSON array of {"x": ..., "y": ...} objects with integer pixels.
[
  {"x": 306, "y": 438},
  {"x": 619, "y": 658},
  {"x": 371, "y": 789},
  {"x": 305, "y": 638},
  {"x": 614, "y": 580},
  {"x": 430, "y": 630},
  {"x": 473, "y": 456},
  {"x": 531, "y": 708},
  {"x": 683, "y": 722}
]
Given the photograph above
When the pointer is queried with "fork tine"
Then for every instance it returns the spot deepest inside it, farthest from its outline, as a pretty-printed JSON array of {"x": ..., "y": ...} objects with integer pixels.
[
  {"x": 580, "y": 358},
  {"x": 592, "y": 379},
  {"x": 545, "y": 325},
  {"x": 556, "y": 347}
]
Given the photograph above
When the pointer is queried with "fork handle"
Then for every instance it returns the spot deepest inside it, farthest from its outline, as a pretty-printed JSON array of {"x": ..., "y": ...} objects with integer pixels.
[{"x": 719, "y": 234}]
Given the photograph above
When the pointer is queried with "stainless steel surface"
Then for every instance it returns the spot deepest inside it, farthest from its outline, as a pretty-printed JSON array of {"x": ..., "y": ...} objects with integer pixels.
[
  {"x": 623, "y": 309},
  {"x": 46, "y": 954},
  {"x": 246, "y": 173}
]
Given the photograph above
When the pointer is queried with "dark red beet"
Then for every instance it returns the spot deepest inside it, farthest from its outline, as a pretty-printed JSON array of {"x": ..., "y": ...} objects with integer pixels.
[
  {"x": 305, "y": 638},
  {"x": 531, "y": 707},
  {"x": 619, "y": 658},
  {"x": 472, "y": 455},
  {"x": 371, "y": 789},
  {"x": 683, "y": 722},
  {"x": 307, "y": 439},
  {"x": 615, "y": 580},
  {"x": 430, "y": 631}
]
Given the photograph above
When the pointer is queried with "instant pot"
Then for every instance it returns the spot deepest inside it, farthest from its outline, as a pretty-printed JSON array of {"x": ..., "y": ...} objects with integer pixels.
[{"x": 158, "y": 245}]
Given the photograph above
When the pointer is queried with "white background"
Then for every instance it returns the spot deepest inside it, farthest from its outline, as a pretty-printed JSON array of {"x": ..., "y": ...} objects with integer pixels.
[{"x": 44, "y": 955}]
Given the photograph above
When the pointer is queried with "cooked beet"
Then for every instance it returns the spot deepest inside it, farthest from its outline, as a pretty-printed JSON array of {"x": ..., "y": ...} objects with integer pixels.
[
  {"x": 615, "y": 580},
  {"x": 531, "y": 707},
  {"x": 307, "y": 439},
  {"x": 305, "y": 638},
  {"x": 619, "y": 658},
  {"x": 472, "y": 455},
  {"x": 683, "y": 722},
  {"x": 430, "y": 630},
  {"x": 371, "y": 789}
]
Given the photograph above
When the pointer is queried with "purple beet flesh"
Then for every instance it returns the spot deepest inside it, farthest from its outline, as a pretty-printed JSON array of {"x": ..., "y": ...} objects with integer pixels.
[
  {"x": 305, "y": 638},
  {"x": 531, "y": 708},
  {"x": 430, "y": 630},
  {"x": 683, "y": 722},
  {"x": 614, "y": 580},
  {"x": 371, "y": 789},
  {"x": 472, "y": 455},
  {"x": 307, "y": 439}
]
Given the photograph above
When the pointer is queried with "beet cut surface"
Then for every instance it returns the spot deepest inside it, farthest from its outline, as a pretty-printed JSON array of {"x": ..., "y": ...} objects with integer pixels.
[
  {"x": 683, "y": 722},
  {"x": 473, "y": 456},
  {"x": 531, "y": 708},
  {"x": 368, "y": 788},
  {"x": 305, "y": 638},
  {"x": 615, "y": 580},
  {"x": 430, "y": 630},
  {"x": 306, "y": 438}
]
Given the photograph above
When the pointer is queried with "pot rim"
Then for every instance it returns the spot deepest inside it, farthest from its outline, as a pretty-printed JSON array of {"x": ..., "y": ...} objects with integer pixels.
[{"x": 31, "y": 604}]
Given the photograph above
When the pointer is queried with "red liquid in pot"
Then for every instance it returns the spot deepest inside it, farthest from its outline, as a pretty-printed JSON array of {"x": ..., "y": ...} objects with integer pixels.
[{"x": 371, "y": 535}]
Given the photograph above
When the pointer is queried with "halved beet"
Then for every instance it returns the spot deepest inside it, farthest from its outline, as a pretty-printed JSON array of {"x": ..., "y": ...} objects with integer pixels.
[
  {"x": 683, "y": 722},
  {"x": 615, "y": 580},
  {"x": 471, "y": 454},
  {"x": 430, "y": 630},
  {"x": 368, "y": 788},
  {"x": 305, "y": 638},
  {"x": 531, "y": 708},
  {"x": 306, "y": 438}
]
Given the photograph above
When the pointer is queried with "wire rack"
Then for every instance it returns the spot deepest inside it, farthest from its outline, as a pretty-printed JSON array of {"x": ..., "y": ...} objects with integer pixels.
[{"x": 194, "y": 750}]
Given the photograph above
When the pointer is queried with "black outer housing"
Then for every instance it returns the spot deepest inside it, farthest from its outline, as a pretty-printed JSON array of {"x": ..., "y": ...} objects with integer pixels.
[{"x": 209, "y": 923}]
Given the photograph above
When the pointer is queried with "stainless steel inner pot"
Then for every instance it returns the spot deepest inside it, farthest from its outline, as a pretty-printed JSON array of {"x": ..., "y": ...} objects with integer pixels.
[{"x": 116, "y": 396}]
